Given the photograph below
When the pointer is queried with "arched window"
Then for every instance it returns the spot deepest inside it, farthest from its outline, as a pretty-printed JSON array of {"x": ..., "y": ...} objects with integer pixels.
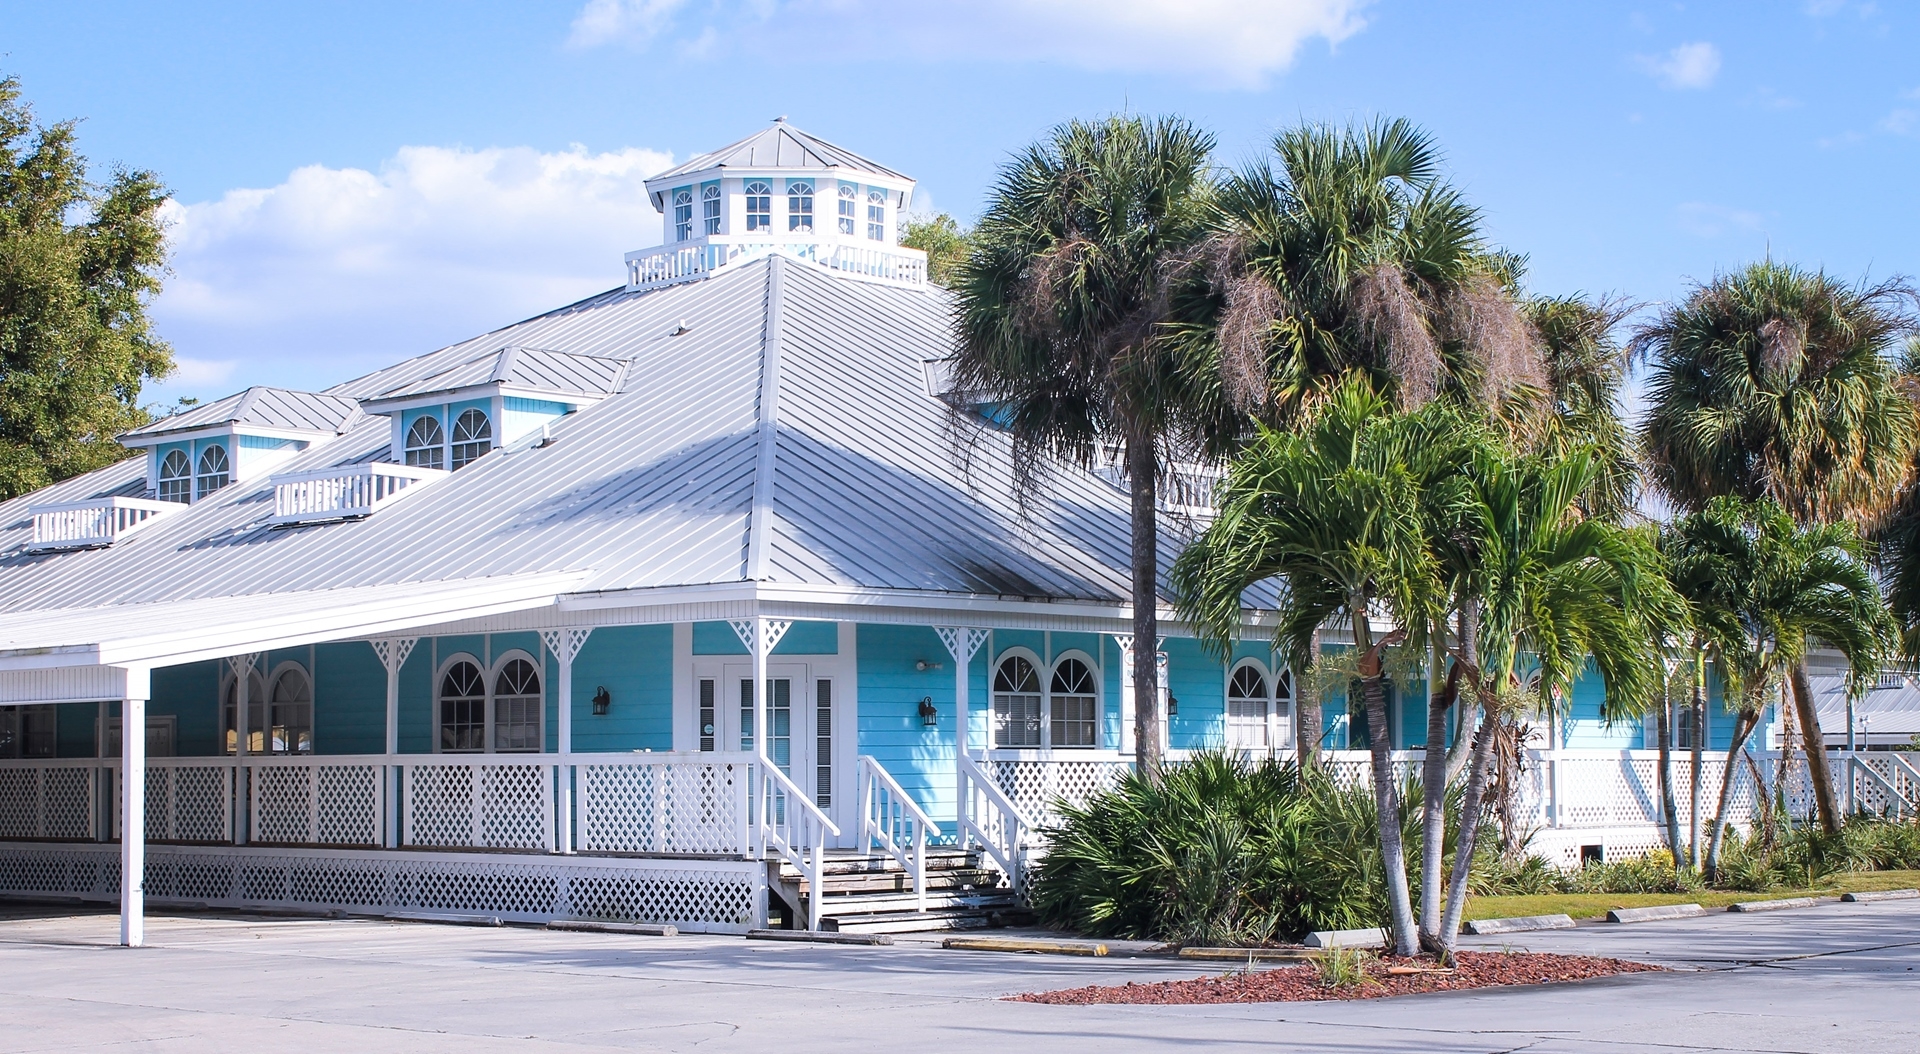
[
  {"x": 516, "y": 706},
  {"x": 214, "y": 471},
  {"x": 176, "y": 477},
  {"x": 1248, "y": 705},
  {"x": 1016, "y": 704},
  {"x": 683, "y": 214},
  {"x": 800, "y": 207},
  {"x": 426, "y": 443},
  {"x": 472, "y": 437},
  {"x": 1075, "y": 703},
  {"x": 463, "y": 709},
  {"x": 849, "y": 207},
  {"x": 877, "y": 214},
  {"x": 256, "y": 714},
  {"x": 759, "y": 206},
  {"x": 710, "y": 208},
  {"x": 290, "y": 713}
]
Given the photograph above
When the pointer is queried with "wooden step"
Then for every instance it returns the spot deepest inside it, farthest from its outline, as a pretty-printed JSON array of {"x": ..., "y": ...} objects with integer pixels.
[
  {"x": 943, "y": 919},
  {"x": 900, "y": 881},
  {"x": 855, "y": 903}
]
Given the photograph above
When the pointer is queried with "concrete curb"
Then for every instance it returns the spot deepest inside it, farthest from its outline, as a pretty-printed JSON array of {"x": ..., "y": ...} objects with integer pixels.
[
  {"x": 1878, "y": 895},
  {"x": 819, "y": 937},
  {"x": 1658, "y": 913},
  {"x": 1035, "y": 947},
  {"x": 444, "y": 918},
  {"x": 1268, "y": 955},
  {"x": 1519, "y": 924},
  {"x": 1775, "y": 905},
  {"x": 642, "y": 929},
  {"x": 1368, "y": 938}
]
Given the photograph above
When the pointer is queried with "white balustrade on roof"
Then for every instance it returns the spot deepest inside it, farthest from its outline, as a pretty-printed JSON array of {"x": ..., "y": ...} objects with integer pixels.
[
  {"x": 93, "y": 523},
  {"x": 670, "y": 264},
  {"x": 346, "y": 492}
]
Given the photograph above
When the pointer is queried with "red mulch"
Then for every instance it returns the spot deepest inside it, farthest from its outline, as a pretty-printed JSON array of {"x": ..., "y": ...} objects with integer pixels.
[{"x": 1288, "y": 984}]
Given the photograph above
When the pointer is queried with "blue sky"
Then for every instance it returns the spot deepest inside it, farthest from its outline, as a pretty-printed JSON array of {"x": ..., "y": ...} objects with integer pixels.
[{"x": 356, "y": 182}]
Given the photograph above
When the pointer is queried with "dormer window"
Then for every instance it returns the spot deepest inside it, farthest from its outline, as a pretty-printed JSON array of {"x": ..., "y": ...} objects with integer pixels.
[
  {"x": 683, "y": 214},
  {"x": 472, "y": 438},
  {"x": 800, "y": 207},
  {"x": 176, "y": 478},
  {"x": 849, "y": 207},
  {"x": 426, "y": 443},
  {"x": 215, "y": 471},
  {"x": 710, "y": 207},
  {"x": 877, "y": 214},
  {"x": 759, "y": 205}
]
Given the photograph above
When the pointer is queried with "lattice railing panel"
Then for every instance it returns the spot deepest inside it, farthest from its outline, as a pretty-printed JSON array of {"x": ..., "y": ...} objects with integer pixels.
[
  {"x": 20, "y": 802},
  {"x": 675, "y": 807},
  {"x": 1036, "y": 786},
  {"x": 283, "y": 800},
  {"x": 516, "y": 807},
  {"x": 69, "y": 802},
  {"x": 440, "y": 805},
  {"x": 190, "y": 804},
  {"x": 480, "y": 805},
  {"x": 48, "y": 800},
  {"x": 347, "y": 805}
]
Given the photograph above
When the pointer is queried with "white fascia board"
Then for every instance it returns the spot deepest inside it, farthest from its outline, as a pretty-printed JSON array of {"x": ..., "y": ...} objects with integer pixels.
[
  {"x": 489, "y": 390},
  {"x": 185, "y": 435}
]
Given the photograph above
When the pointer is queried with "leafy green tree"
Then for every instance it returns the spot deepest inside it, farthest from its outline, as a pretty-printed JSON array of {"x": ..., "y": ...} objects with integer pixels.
[
  {"x": 79, "y": 262},
  {"x": 945, "y": 242},
  {"x": 1776, "y": 382},
  {"x": 1061, "y": 307}
]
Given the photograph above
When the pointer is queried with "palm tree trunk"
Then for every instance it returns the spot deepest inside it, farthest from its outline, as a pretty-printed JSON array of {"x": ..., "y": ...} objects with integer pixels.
[
  {"x": 1669, "y": 807},
  {"x": 1742, "y": 727},
  {"x": 1308, "y": 723},
  {"x": 1481, "y": 761},
  {"x": 1142, "y": 475},
  {"x": 1386, "y": 789},
  {"x": 1433, "y": 781},
  {"x": 1469, "y": 631},
  {"x": 1814, "y": 745}
]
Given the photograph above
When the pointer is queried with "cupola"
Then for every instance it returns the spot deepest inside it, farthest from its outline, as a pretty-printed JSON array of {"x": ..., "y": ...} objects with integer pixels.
[{"x": 194, "y": 453}]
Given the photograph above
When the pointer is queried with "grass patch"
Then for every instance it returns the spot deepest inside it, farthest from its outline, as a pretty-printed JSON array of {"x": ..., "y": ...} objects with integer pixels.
[{"x": 1595, "y": 905}]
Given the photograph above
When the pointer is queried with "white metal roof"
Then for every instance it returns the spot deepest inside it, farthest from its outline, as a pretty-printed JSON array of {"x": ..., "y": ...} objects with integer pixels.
[
  {"x": 280, "y": 408},
  {"x": 530, "y": 369},
  {"x": 776, "y": 147}
]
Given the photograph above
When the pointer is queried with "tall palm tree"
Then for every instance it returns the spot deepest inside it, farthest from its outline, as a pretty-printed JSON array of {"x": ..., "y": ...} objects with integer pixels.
[
  {"x": 1775, "y": 382},
  {"x": 1062, "y": 302},
  {"x": 1760, "y": 588}
]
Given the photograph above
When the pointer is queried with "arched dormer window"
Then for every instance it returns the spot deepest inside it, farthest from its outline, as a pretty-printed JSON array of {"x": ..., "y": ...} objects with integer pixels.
[
  {"x": 426, "y": 445},
  {"x": 176, "y": 477},
  {"x": 759, "y": 196},
  {"x": 472, "y": 438},
  {"x": 214, "y": 472},
  {"x": 463, "y": 709},
  {"x": 849, "y": 207},
  {"x": 710, "y": 208},
  {"x": 1016, "y": 703},
  {"x": 877, "y": 214},
  {"x": 516, "y": 706},
  {"x": 800, "y": 207},
  {"x": 683, "y": 214},
  {"x": 1074, "y": 704}
]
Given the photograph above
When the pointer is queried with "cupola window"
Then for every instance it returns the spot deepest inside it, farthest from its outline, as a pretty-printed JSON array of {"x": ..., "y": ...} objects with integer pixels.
[
  {"x": 176, "y": 478},
  {"x": 800, "y": 207},
  {"x": 683, "y": 214},
  {"x": 877, "y": 215},
  {"x": 849, "y": 207},
  {"x": 710, "y": 208},
  {"x": 215, "y": 471},
  {"x": 472, "y": 437},
  {"x": 759, "y": 206},
  {"x": 426, "y": 443}
]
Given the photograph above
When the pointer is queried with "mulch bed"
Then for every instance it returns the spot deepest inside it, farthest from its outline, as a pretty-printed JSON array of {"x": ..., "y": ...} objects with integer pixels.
[{"x": 1302, "y": 983}]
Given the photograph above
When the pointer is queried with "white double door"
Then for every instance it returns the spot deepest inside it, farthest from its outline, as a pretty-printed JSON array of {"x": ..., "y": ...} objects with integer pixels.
[{"x": 805, "y": 724}]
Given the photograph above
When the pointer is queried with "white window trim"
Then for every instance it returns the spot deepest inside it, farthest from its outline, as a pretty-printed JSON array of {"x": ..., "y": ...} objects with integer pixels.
[
  {"x": 1099, "y": 702},
  {"x": 489, "y": 674}
]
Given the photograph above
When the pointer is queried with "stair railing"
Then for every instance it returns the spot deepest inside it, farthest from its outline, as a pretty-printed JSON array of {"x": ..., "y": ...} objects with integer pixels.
[
  {"x": 988, "y": 816},
  {"x": 796, "y": 829},
  {"x": 891, "y": 820}
]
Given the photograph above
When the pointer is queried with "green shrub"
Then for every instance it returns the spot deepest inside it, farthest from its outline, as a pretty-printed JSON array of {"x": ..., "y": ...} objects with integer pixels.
[{"x": 1653, "y": 873}]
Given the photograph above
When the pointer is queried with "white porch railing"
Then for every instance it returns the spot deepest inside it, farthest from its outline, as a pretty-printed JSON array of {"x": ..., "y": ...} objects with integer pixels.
[
  {"x": 796, "y": 829},
  {"x": 93, "y": 523},
  {"x": 50, "y": 798},
  {"x": 989, "y": 817},
  {"x": 663, "y": 804},
  {"x": 477, "y": 801},
  {"x": 344, "y": 493},
  {"x": 1034, "y": 782},
  {"x": 890, "y": 819},
  {"x": 666, "y": 265}
]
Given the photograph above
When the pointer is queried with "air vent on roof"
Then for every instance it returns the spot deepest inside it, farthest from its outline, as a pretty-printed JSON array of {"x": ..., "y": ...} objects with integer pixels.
[
  {"x": 345, "y": 493},
  {"x": 94, "y": 523}
]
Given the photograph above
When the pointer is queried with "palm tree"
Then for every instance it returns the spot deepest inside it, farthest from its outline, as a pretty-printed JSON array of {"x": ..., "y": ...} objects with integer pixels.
[
  {"x": 1760, "y": 588},
  {"x": 1774, "y": 382},
  {"x": 1334, "y": 513},
  {"x": 1061, "y": 306}
]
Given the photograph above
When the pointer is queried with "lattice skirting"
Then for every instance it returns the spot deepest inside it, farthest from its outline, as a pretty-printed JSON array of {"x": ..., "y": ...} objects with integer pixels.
[
  {"x": 1561, "y": 846},
  {"x": 700, "y": 896}
]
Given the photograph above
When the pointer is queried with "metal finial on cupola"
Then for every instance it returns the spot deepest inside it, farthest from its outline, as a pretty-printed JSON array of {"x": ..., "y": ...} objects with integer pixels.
[{"x": 782, "y": 119}]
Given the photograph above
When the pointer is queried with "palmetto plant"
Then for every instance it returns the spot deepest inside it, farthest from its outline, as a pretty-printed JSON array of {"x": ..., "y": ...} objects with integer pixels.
[
  {"x": 1775, "y": 382},
  {"x": 1062, "y": 304}
]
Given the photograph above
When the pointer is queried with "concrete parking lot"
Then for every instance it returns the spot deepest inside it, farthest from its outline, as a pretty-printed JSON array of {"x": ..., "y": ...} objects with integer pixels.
[{"x": 1838, "y": 978}]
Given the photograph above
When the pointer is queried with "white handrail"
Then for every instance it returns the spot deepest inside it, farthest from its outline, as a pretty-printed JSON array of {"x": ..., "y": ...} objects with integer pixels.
[
  {"x": 884, "y": 807},
  {"x": 788, "y": 832},
  {"x": 1006, "y": 848}
]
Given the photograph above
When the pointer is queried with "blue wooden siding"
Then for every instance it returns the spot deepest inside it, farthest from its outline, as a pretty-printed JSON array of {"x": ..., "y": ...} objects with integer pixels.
[
  {"x": 920, "y": 758},
  {"x": 635, "y": 664},
  {"x": 801, "y": 638}
]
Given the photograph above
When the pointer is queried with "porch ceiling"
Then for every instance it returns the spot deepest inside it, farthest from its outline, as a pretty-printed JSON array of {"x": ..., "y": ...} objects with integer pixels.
[{"x": 172, "y": 632}]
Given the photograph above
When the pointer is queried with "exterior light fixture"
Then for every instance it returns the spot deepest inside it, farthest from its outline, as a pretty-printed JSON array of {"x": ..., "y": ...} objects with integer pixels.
[
  {"x": 923, "y": 665},
  {"x": 601, "y": 701},
  {"x": 929, "y": 717},
  {"x": 1173, "y": 706}
]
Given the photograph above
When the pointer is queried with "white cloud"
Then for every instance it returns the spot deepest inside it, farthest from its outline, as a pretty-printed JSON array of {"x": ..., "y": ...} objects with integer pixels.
[
  {"x": 1238, "y": 43},
  {"x": 338, "y": 270},
  {"x": 1687, "y": 66},
  {"x": 1901, "y": 122}
]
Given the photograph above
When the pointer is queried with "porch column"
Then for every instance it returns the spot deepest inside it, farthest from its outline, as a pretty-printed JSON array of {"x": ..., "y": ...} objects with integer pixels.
[
  {"x": 760, "y": 634},
  {"x": 565, "y": 644},
  {"x": 242, "y": 667},
  {"x": 1125, "y": 641},
  {"x": 133, "y": 807},
  {"x": 961, "y": 644},
  {"x": 393, "y": 654}
]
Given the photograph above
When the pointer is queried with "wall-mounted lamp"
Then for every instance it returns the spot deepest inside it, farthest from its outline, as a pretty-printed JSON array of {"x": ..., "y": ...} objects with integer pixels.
[
  {"x": 923, "y": 665},
  {"x": 1173, "y": 706},
  {"x": 601, "y": 701},
  {"x": 929, "y": 717}
]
